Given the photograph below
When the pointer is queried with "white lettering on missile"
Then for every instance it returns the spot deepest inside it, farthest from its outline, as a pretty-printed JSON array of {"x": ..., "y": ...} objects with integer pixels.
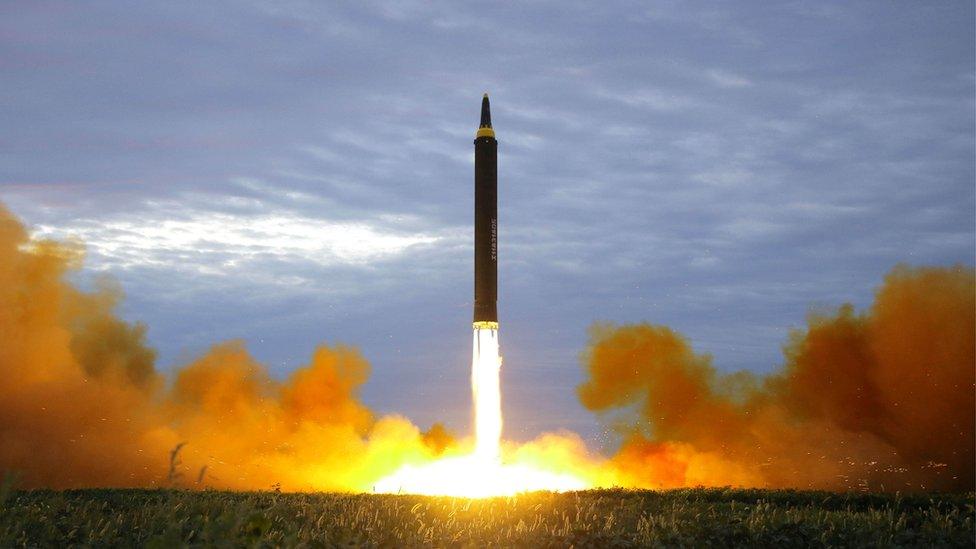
[{"x": 494, "y": 239}]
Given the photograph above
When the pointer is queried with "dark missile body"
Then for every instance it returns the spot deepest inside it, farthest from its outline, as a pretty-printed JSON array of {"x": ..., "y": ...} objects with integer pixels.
[{"x": 485, "y": 219}]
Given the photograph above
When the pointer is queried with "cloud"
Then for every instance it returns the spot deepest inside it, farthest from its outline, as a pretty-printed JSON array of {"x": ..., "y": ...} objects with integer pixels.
[
  {"x": 221, "y": 243},
  {"x": 725, "y": 79},
  {"x": 651, "y": 99}
]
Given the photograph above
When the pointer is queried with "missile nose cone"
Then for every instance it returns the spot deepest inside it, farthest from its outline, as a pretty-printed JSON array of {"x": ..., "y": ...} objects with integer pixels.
[
  {"x": 485, "y": 112},
  {"x": 484, "y": 129}
]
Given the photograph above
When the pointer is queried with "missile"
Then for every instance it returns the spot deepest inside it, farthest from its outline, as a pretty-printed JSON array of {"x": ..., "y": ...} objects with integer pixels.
[{"x": 485, "y": 222}]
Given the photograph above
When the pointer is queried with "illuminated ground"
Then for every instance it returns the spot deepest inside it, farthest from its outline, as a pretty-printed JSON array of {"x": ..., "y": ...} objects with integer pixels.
[{"x": 697, "y": 517}]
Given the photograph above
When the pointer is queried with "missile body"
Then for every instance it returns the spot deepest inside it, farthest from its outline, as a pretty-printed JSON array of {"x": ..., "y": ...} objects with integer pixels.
[{"x": 485, "y": 222}]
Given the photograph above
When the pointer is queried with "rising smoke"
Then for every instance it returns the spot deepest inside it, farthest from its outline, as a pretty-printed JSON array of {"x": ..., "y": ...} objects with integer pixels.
[
  {"x": 878, "y": 400},
  {"x": 81, "y": 403},
  {"x": 882, "y": 399}
]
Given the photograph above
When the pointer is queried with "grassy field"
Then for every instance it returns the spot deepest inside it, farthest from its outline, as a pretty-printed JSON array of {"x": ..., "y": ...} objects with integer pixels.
[{"x": 692, "y": 518}]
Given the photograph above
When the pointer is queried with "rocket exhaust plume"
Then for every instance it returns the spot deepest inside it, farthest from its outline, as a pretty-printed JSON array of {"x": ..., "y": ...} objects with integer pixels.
[{"x": 486, "y": 390}]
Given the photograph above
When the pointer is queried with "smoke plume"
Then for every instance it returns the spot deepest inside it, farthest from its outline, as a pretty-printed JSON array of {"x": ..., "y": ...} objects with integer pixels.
[
  {"x": 882, "y": 399},
  {"x": 83, "y": 405}
]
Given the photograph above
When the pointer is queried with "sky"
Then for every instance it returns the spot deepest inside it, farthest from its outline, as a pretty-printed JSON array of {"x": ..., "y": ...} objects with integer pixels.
[{"x": 299, "y": 173}]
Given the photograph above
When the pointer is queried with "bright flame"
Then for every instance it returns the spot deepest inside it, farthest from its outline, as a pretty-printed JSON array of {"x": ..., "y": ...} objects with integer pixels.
[
  {"x": 469, "y": 476},
  {"x": 482, "y": 473},
  {"x": 486, "y": 366}
]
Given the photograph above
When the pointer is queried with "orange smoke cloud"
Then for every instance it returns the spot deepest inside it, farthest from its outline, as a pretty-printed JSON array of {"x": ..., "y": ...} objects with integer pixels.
[
  {"x": 879, "y": 400},
  {"x": 82, "y": 403}
]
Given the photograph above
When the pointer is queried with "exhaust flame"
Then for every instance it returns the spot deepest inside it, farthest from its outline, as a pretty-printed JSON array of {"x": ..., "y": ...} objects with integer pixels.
[
  {"x": 482, "y": 473},
  {"x": 486, "y": 388}
]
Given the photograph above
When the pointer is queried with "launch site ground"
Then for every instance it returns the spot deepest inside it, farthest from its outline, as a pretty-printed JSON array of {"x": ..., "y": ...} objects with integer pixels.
[{"x": 601, "y": 518}]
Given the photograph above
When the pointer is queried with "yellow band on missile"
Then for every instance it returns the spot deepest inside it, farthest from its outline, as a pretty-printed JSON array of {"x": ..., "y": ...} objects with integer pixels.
[
  {"x": 485, "y": 132},
  {"x": 485, "y": 325}
]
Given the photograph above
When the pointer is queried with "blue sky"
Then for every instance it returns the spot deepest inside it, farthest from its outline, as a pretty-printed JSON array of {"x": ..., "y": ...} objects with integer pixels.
[{"x": 294, "y": 173}]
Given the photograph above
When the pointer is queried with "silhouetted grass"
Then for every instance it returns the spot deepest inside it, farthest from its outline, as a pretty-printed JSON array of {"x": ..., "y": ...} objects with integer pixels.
[{"x": 691, "y": 518}]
